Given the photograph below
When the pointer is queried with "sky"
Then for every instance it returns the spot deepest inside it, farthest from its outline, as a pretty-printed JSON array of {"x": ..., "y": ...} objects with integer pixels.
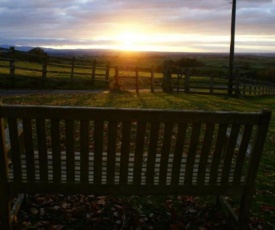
[{"x": 157, "y": 25}]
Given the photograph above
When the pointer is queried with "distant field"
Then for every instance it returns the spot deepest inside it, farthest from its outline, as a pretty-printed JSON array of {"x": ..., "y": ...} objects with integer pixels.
[{"x": 28, "y": 72}]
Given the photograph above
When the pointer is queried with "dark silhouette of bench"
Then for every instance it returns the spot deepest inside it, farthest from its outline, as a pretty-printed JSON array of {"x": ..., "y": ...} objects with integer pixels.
[{"x": 129, "y": 151}]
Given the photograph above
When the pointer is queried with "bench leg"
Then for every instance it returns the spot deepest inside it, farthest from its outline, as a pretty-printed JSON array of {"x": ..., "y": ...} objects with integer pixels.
[
  {"x": 222, "y": 202},
  {"x": 246, "y": 201},
  {"x": 5, "y": 217},
  {"x": 242, "y": 219}
]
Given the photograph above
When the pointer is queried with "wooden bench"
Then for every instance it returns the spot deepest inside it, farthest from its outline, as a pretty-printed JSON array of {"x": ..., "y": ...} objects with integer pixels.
[{"x": 130, "y": 151}]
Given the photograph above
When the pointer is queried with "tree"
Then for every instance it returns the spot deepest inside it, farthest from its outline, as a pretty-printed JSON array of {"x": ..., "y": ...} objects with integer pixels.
[{"x": 38, "y": 51}]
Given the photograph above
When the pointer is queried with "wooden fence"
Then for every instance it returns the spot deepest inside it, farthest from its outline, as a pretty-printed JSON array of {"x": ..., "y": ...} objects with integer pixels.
[
  {"x": 248, "y": 86},
  {"x": 215, "y": 82},
  {"x": 46, "y": 67},
  {"x": 209, "y": 80},
  {"x": 135, "y": 78}
]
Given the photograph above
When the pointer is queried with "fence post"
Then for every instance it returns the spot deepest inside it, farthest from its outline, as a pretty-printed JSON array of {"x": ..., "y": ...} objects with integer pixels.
[
  {"x": 93, "y": 72},
  {"x": 166, "y": 77},
  {"x": 12, "y": 62},
  {"x": 116, "y": 77},
  {"x": 107, "y": 74},
  {"x": 152, "y": 80},
  {"x": 12, "y": 68},
  {"x": 72, "y": 69},
  {"x": 237, "y": 83},
  {"x": 244, "y": 89},
  {"x": 187, "y": 81},
  {"x": 137, "y": 80},
  {"x": 179, "y": 75},
  {"x": 211, "y": 83},
  {"x": 44, "y": 69},
  {"x": 44, "y": 72}
]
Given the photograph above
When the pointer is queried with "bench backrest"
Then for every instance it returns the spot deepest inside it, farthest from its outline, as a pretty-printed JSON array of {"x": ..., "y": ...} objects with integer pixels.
[{"x": 131, "y": 151}]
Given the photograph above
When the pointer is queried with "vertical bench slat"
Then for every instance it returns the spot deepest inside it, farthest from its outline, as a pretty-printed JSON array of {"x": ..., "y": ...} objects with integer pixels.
[
  {"x": 5, "y": 209},
  {"x": 195, "y": 135},
  {"x": 3, "y": 150},
  {"x": 84, "y": 151},
  {"x": 153, "y": 143},
  {"x": 141, "y": 127},
  {"x": 111, "y": 151},
  {"x": 257, "y": 148},
  {"x": 242, "y": 153},
  {"x": 206, "y": 147},
  {"x": 70, "y": 156},
  {"x": 29, "y": 151},
  {"x": 180, "y": 139},
  {"x": 229, "y": 153},
  {"x": 98, "y": 148},
  {"x": 15, "y": 149},
  {"x": 165, "y": 153},
  {"x": 42, "y": 149},
  {"x": 221, "y": 139},
  {"x": 125, "y": 148},
  {"x": 56, "y": 152}
]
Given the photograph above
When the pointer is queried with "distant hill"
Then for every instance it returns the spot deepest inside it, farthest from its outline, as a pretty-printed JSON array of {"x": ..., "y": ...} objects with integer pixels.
[{"x": 104, "y": 52}]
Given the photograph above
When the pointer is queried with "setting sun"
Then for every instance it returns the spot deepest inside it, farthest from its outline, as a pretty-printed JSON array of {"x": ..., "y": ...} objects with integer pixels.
[
  {"x": 128, "y": 41},
  {"x": 131, "y": 41}
]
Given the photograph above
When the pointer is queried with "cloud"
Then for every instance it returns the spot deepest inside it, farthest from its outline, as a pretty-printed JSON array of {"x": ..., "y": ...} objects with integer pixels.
[{"x": 90, "y": 21}]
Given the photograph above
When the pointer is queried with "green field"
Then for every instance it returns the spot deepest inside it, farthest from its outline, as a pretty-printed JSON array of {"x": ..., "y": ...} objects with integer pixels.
[
  {"x": 28, "y": 69},
  {"x": 263, "y": 211}
]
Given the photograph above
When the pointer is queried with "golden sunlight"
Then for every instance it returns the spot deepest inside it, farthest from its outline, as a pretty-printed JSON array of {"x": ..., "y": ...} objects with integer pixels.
[{"x": 130, "y": 41}]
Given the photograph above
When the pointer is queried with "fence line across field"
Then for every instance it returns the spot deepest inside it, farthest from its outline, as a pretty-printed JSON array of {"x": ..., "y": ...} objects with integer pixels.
[{"x": 208, "y": 79}]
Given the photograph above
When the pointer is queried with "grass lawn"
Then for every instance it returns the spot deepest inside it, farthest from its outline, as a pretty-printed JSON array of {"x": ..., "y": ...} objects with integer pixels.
[{"x": 263, "y": 211}]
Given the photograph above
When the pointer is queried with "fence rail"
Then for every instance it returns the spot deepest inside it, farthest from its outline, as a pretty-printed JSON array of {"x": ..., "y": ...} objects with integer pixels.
[
  {"x": 137, "y": 79},
  {"x": 209, "y": 79},
  {"x": 190, "y": 80},
  {"x": 47, "y": 67}
]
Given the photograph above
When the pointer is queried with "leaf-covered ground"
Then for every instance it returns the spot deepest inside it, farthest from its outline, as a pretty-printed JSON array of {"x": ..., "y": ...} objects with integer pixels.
[{"x": 58, "y": 212}]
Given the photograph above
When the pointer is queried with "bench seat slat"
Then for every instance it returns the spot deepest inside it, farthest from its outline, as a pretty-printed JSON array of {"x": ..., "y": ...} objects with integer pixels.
[
  {"x": 152, "y": 149},
  {"x": 125, "y": 149},
  {"x": 98, "y": 147},
  {"x": 42, "y": 148},
  {"x": 69, "y": 133},
  {"x": 242, "y": 153},
  {"x": 112, "y": 144},
  {"x": 205, "y": 151},
  {"x": 229, "y": 153},
  {"x": 165, "y": 152},
  {"x": 29, "y": 151},
  {"x": 219, "y": 146},
  {"x": 56, "y": 151},
  {"x": 196, "y": 127},
  {"x": 181, "y": 134},
  {"x": 140, "y": 138},
  {"x": 84, "y": 150},
  {"x": 15, "y": 149}
]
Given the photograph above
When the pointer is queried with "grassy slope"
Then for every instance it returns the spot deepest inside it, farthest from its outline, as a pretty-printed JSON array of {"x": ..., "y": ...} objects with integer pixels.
[{"x": 264, "y": 205}]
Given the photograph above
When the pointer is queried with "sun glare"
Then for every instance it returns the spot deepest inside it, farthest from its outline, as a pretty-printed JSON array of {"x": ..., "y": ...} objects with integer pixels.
[{"x": 130, "y": 41}]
